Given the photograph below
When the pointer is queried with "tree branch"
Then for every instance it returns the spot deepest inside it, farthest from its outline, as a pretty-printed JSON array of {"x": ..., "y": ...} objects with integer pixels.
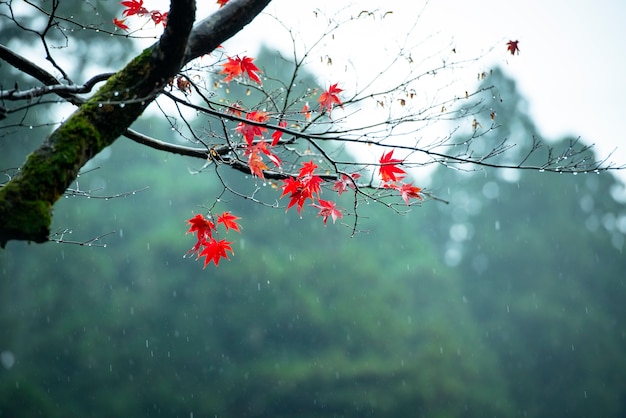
[
  {"x": 26, "y": 200},
  {"x": 63, "y": 90},
  {"x": 209, "y": 33}
]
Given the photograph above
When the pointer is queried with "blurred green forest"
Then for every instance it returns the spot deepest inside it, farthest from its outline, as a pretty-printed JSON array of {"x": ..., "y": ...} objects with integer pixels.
[{"x": 509, "y": 301}]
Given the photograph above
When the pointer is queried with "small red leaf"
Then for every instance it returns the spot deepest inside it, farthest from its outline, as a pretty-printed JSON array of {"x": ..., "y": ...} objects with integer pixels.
[
  {"x": 512, "y": 47},
  {"x": 389, "y": 171},
  {"x": 229, "y": 221},
  {"x": 328, "y": 208},
  {"x": 329, "y": 98},
  {"x": 120, "y": 23}
]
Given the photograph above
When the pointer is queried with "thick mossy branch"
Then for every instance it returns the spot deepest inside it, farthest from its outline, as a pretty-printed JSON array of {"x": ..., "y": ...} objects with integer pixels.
[{"x": 26, "y": 200}]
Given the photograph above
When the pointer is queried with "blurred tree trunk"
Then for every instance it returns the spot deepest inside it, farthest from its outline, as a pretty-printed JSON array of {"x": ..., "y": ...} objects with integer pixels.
[{"x": 26, "y": 200}]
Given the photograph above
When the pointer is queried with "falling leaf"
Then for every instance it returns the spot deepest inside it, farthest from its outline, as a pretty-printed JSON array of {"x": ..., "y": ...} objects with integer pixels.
[{"x": 512, "y": 47}]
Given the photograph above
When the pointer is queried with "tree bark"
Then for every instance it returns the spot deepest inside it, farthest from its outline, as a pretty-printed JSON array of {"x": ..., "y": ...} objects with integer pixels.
[{"x": 26, "y": 200}]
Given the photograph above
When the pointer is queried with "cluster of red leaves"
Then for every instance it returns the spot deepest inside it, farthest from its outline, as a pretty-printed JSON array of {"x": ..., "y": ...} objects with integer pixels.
[
  {"x": 306, "y": 186},
  {"x": 136, "y": 8},
  {"x": 391, "y": 174},
  {"x": 256, "y": 149},
  {"x": 206, "y": 230},
  {"x": 301, "y": 188},
  {"x": 512, "y": 47},
  {"x": 234, "y": 67}
]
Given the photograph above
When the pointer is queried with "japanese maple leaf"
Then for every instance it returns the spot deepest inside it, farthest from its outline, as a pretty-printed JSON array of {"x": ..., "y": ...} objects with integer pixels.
[
  {"x": 249, "y": 68},
  {"x": 255, "y": 159},
  {"x": 133, "y": 7},
  {"x": 256, "y": 164},
  {"x": 312, "y": 184},
  {"x": 512, "y": 47},
  {"x": 307, "y": 169},
  {"x": 389, "y": 171},
  {"x": 328, "y": 208},
  {"x": 158, "y": 17},
  {"x": 120, "y": 23},
  {"x": 234, "y": 67},
  {"x": 309, "y": 180},
  {"x": 298, "y": 192},
  {"x": 204, "y": 227},
  {"x": 278, "y": 134},
  {"x": 408, "y": 191},
  {"x": 342, "y": 184},
  {"x": 261, "y": 146},
  {"x": 215, "y": 250},
  {"x": 229, "y": 221},
  {"x": 250, "y": 131},
  {"x": 329, "y": 98}
]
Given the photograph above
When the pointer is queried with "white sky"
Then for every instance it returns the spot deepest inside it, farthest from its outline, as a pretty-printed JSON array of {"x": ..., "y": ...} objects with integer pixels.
[{"x": 570, "y": 68}]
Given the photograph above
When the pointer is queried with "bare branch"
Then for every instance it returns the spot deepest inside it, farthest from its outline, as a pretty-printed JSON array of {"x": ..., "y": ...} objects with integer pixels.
[{"x": 59, "y": 89}]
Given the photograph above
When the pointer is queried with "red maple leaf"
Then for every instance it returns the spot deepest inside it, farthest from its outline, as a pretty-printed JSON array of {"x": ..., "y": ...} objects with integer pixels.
[
  {"x": 250, "y": 131},
  {"x": 512, "y": 47},
  {"x": 298, "y": 192},
  {"x": 389, "y": 171},
  {"x": 408, "y": 191},
  {"x": 158, "y": 17},
  {"x": 249, "y": 68},
  {"x": 278, "y": 134},
  {"x": 231, "y": 68},
  {"x": 255, "y": 159},
  {"x": 235, "y": 67},
  {"x": 329, "y": 98},
  {"x": 342, "y": 184},
  {"x": 307, "y": 169},
  {"x": 328, "y": 208},
  {"x": 202, "y": 226},
  {"x": 229, "y": 221},
  {"x": 304, "y": 187},
  {"x": 120, "y": 23},
  {"x": 215, "y": 250},
  {"x": 309, "y": 180},
  {"x": 256, "y": 164},
  {"x": 133, "y": 7},
  {"x": 222, "y": 3},
  {"x": 262, "y": 147}
]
